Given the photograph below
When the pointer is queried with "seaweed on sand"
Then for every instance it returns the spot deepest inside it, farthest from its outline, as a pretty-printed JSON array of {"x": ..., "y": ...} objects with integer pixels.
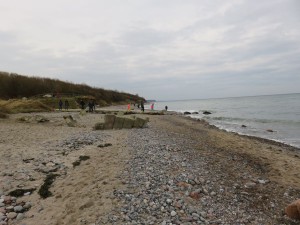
[
  {"x": 81, "y": 158},
  {"x": 20, "y": 192},
  {"x": 44, "y": 189}
]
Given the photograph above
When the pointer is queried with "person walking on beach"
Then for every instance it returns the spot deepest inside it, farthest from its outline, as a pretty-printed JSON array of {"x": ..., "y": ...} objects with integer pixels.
[
  {"x": 94, "y": 105},
  {"x": 66, "y": 105},
  {"x": 128, "y": 107},
  {"x": 90, "y": 104},
  {"x": 166, "y": 108},
  {"x": 152, "y": 106},
  {"x": 60, "y": 104},
  {"x": 142, "y": 106}
]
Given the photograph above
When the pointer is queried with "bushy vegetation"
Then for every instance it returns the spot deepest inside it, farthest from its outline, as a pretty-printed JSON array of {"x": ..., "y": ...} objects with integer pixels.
[
  {"x": 17, "y": 86},
  {"x": 22, "y": 106}
]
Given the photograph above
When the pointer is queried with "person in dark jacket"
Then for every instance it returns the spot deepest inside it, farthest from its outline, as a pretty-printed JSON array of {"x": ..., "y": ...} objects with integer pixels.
[
  {"x": 82, "y": 104},
  {"x": 67, "y": 105},
  {"x": 60, "y": 104}
]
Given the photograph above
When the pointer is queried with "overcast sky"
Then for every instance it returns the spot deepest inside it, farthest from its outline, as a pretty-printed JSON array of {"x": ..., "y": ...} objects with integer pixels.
[{"x": 159, "y": 49}]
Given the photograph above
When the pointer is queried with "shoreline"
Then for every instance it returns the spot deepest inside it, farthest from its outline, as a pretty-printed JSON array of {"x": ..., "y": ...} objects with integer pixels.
[
  {"x": 270, "y": 141},
  {"x": 215, "y": 168}
]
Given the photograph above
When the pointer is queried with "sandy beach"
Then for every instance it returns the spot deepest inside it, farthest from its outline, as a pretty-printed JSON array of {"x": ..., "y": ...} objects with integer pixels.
[{"x": 174, "y": 171}]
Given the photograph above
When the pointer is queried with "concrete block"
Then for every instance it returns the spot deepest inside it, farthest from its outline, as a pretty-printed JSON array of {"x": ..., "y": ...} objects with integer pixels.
[
  {"x": 109, "y": 121},
  {"x": 139, "y": 123},
  {"x": 118, "y": 123},
  {"x": 99, "y": 126},
  {"x": 128, "y": 123}
]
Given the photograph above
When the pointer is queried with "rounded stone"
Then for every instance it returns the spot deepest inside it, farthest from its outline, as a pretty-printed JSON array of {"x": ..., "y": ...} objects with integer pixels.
[
  {"x": 20, "y": 216},
  {"x": 173, "y": 213},
  {"x": 18, "y": 208},
  {"x": 27, "y": 205},
  {"x": 11, "y": 215}
]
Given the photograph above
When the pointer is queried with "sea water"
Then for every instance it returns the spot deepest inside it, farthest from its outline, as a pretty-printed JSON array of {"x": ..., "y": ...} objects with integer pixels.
[{"x": 279, "y": 113}]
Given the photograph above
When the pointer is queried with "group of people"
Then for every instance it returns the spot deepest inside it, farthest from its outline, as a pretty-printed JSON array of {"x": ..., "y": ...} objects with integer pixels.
[
  {"x": 91, "y": 104},
  {"x": 143, "y": 107},
  {"x": 60, "y": 104}
]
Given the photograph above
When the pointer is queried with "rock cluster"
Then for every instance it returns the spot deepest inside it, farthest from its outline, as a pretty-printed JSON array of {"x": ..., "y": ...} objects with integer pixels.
[
  {"x": 120, "y": 122},
  {"x": 12, "y": 209}
]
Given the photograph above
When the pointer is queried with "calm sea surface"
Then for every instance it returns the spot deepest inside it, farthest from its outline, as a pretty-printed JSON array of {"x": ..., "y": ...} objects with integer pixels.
[{"x": 280, "y": 113}]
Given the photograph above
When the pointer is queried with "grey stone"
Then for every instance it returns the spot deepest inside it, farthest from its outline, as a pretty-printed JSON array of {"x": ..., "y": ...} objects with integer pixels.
[
  {"x": 173, "y": 213},
  {"x": 20, "y": 216},
  {"x": 18, "y": 208},
  {"x": 27, "y": 205}
]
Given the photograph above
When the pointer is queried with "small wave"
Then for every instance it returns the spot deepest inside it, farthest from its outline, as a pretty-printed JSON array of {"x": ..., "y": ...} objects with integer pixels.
[{"x": 232, "y": 119}]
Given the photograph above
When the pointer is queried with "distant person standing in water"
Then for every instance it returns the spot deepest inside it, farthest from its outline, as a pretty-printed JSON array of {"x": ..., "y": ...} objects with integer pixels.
[{"x": 166, "y": 108}]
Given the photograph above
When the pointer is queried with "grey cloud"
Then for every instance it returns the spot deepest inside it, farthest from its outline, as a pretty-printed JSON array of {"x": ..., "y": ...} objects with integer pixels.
[{"x": 145, "y": 37}]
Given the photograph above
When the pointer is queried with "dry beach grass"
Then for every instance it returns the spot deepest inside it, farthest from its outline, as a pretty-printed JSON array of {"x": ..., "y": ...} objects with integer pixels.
[{"x": 223, "y": 178}]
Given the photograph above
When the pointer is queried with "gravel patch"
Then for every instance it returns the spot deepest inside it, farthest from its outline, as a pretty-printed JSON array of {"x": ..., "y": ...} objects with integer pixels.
[{"x": 169, "y": 181}]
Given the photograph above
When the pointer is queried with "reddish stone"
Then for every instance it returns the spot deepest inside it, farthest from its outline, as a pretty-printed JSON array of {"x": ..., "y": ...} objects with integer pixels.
[
  {"x": 177, "y": 205},
  {"x": 7, "y": 200},
  {"x": 2, "y": 210},
  {"x": 293, "y": 210},
  {"x": 195, "y": 195},
  {"x": 183, "y": 184}
]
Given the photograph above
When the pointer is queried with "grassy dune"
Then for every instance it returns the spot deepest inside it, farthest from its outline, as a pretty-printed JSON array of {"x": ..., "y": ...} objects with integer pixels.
[{"x": 22, "y": 106}]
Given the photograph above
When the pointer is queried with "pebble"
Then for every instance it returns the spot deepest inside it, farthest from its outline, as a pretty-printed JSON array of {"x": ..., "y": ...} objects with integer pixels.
[
  {"x": 20, "y": 216},
  {"x": 18, "y": 208},
  {"x": 11, "y": 215},
  {"x": 27, "y": 205},
  {"x": 173, "y": 213}
]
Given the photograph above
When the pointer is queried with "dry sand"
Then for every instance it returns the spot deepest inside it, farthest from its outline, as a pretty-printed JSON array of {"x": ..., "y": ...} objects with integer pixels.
[{"x": 83, "y": 194}]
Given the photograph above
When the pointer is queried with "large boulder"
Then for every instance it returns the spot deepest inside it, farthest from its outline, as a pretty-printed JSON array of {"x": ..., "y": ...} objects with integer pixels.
[
  {"x": 109, "y": 121},
  {"x": 293, "y": 210},
  {"x": 206, "y": 113},
  {"x": 71, "y": 122},
  {"x": 187, "y": 113}
]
